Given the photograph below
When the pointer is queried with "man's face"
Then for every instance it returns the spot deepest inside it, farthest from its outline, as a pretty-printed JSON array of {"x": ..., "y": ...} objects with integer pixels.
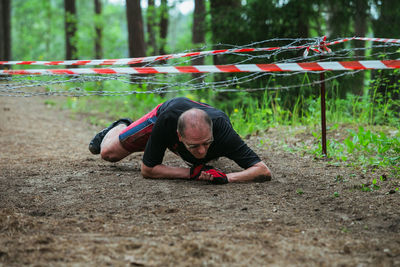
[{"x": 197, "y": 141}]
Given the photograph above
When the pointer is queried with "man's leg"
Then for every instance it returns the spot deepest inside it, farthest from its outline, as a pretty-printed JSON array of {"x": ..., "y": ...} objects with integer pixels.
[
  {"x": 123, "y": 137},
  {"x": 111, "y": 148},
  {"x": 95, "y": 143}
]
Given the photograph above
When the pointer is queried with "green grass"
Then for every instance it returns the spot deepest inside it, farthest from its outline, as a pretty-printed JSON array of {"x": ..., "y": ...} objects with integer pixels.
[{"x": 367, "y": 150}]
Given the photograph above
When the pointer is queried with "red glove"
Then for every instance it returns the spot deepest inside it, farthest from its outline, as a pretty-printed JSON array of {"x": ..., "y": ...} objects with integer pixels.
[
  {"x": 195, "y": 171},
  {"x": 218, "y": 176}
]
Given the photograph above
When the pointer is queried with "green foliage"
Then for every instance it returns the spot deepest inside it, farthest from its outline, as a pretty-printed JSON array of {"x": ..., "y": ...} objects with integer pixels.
[
  {"x": 373, "y": 149},
  {"x": 180, "y": 33},
  {"x": 299, "y": 191},
  {"x": 373, "y": 186},
  {"x": 364, "y": 149},
  {"x": 37, "y": 30},
  {"x": 115, "y": 40}
]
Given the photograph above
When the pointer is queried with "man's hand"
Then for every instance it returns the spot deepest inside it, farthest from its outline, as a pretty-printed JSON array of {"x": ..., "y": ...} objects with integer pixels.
[
  {"x": 218, "y": 177},
  {"x": 195, "y": 171},
  {"x": 208, "y": 173}
]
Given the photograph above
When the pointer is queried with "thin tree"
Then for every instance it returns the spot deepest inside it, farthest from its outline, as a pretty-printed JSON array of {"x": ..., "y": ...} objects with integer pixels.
[
  {"x": 225, "y": 23},
  {"x": 339, "y": 17},
  {"x": 225, "y": 19},
  {"x": 5, "y": 30},
  {"x": 198, "y": 30},
  {"x": 163, "y": 25},
  {"x": 360, "y": 29},
  {"x": 386, "y": 26},
  {"x": 98, "y": 47},
  {"x": 151, "y": 27},
  {"x": 70, "y": 30},
  {"x": 137, "y": 47}
]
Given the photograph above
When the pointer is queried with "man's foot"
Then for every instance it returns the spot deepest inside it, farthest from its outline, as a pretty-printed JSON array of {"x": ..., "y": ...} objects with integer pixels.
[{"x": 94, "y": 145}]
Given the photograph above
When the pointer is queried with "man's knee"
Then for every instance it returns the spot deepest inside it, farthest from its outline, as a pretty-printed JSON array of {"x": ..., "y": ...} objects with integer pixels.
[{"x": 110, "y": 155}]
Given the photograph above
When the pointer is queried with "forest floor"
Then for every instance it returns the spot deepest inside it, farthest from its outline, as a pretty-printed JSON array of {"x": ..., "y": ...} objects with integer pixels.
[{"x": 60, "y": 205}]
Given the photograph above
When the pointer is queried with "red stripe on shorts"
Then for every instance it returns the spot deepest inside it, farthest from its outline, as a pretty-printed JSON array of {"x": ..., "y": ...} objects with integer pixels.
[{"x": 134, "y": 137}]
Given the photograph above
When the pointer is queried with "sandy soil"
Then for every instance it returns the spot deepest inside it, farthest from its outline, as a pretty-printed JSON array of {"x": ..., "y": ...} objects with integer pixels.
[{"x": 60, "y": 205}]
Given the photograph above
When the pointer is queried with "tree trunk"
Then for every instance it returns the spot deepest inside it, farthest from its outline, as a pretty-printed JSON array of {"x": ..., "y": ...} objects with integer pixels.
[
  {"x": 70, "y": 30},
  {"x": 303, "y": 18},
  {"x": 198, "y": 30},
  {"x": 151, "y": 23},
  {"x": 338, "y": 23},
  {"x": 199, "y": 22},
  {"x": 5, "y": 30},
  {"x": 360, "y": 29},
  {"x": 224, "y": 14},
  {"x": 225, "y": 23},
  {"x": 98, "y": 47},
  {"x": 137, "y": 47},
  {"x": 163, "y": 26},
  {"x": 135, "y": 29},
  {"x": 386, "y": 26}
]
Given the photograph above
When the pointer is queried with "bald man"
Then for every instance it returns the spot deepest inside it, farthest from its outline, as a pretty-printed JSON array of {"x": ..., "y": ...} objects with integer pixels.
[{"x": 195, "y": 131}]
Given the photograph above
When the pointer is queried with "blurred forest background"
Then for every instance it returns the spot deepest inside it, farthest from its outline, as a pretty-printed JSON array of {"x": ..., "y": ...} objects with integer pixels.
[
  {"x": 72, "y": 29},
  {"x": 95, "y": 29}
]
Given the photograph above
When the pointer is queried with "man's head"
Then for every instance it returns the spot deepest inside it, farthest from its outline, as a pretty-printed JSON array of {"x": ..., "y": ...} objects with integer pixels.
[{"x": 195, "y": 131}]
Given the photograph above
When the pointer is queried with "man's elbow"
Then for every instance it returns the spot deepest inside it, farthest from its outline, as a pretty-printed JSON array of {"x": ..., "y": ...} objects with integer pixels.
[
  {"x": 268, "y": 173},
  {"x": 264, "y": 174}
]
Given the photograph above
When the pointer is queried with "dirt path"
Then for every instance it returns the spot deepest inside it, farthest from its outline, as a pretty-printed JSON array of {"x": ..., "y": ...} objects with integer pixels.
[{"x": 59, "y": 205}]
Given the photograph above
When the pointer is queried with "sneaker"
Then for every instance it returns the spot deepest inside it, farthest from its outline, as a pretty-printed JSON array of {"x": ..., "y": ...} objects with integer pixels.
[{"x": 94, "y": 145}]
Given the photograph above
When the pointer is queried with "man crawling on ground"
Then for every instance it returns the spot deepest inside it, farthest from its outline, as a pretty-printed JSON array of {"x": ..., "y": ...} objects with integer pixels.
[{"x": 195, "y": 131}]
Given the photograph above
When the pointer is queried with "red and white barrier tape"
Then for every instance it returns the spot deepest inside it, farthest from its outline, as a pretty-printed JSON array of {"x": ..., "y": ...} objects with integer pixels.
[
  {"x": 384, "y": 40},
  {"x": 321, "y": 47},
  {"x": 309, "y": 66},
  {"x": 128, "y": 61}
]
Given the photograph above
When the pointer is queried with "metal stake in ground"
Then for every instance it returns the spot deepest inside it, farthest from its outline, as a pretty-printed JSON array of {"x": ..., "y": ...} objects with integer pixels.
[{"x": 323, "y": 114}]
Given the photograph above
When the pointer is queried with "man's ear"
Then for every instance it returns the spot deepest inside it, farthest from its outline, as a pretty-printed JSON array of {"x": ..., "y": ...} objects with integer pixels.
[{"x": 179, "y": 136}]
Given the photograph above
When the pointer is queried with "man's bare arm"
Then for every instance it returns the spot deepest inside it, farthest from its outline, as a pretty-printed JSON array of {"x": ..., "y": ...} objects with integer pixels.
[
  {"x": 259, "y": 172},
  {"x": 163, "y": 171}
]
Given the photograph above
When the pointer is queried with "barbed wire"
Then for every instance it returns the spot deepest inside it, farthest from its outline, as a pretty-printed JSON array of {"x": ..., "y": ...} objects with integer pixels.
[
  {"x": 78, "y": 92},
  {"x": 74, "y": 85}
]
